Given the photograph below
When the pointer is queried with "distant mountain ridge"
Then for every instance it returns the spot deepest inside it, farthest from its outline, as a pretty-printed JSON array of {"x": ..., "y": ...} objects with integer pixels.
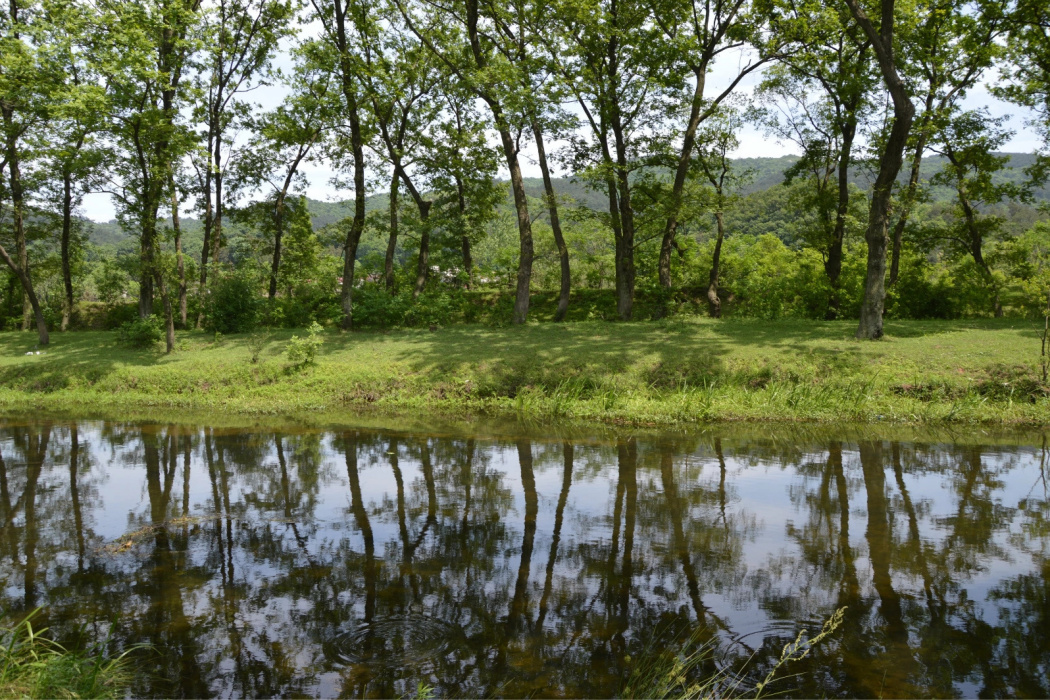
[{"x": 766, "y": 173}]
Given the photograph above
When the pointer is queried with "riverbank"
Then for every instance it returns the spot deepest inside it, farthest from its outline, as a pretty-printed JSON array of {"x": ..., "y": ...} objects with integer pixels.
[{"x": 663, "y": 373}]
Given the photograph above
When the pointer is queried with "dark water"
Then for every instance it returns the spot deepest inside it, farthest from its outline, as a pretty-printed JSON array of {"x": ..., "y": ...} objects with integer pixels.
[{"x": 364, "y": 562}]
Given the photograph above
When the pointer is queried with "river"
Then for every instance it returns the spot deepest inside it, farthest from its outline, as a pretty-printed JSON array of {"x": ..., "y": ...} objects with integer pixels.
[{"x": 340, "y": 562}]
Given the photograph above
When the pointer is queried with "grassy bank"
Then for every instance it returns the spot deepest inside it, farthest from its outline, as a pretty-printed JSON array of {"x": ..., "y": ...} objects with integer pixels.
[
  {"x": 34, "y": 666},
  {"x": 677, "y": 371}
]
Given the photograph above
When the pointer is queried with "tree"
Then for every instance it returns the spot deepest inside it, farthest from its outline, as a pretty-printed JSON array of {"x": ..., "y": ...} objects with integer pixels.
[
  {"x": 284, "y": 140},
  {"x": 462, "y": 37},
  {"x": 26, "y": 79},
  {"x": 1027, "y": 73},
  {"x": 700, "y": 32},
  {"x": 609, "y": 57},
  {"x": 145, "y": 60},
  {"x": 890, "y": 158},
  {"x": 240, "y": 37},
  {"x": 402, "y": 78},
  {"x": 75, "y": 152},
  {"x": 346, "y": 24},
  {"x": 823, "y": 90},
  {"x": 948, "y": 53},
  {"x": 461, "y": 168},
  {"x": 969, "y": 142},
  {"x": 714, "y": 144}
]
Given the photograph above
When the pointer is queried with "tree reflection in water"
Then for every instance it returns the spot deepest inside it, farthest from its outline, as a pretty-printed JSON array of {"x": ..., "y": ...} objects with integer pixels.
[{"x": 363, "y": 562}]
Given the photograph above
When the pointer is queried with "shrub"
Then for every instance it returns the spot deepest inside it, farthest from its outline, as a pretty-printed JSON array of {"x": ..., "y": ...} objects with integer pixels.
[
  {"x": 303, "y": 351},
  {"x": 141, "y": 332},
  {"x": 233, "y": 304}
]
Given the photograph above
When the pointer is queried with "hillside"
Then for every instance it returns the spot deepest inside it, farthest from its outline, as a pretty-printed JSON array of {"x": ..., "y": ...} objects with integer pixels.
[{"x": 766, "y": 174}]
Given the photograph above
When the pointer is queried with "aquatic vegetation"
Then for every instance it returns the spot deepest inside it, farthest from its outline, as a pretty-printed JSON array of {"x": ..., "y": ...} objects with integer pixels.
[{"x": 686, "y": 673}]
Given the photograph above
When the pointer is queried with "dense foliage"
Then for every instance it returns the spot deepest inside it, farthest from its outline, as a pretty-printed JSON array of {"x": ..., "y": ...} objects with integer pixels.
[{"x": 421, "y": 107}]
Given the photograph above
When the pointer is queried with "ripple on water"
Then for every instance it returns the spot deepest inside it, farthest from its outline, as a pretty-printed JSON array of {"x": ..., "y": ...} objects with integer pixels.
[{"x": 391, "y": 640}]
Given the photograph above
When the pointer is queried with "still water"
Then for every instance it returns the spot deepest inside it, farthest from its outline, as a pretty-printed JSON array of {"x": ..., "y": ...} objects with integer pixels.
[{"x": 363, "y": 562}]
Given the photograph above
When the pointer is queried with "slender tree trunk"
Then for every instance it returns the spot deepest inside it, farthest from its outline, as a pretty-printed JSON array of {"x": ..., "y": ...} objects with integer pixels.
[
  {"x": 521, "y": 204},
  {"x": 67, "y": 234},
  {"x": 169, "y": 316},
  {"x": 353, "y": 234},
  {"x": 278, "y": 242},
  {"x": 908, "y": 201},
  {"x": 11, "y": 134},
  {"x": 976, "y": 250},
  {"x": 423, "y": 261},
  {"x": 517, "y": 184},
  {"x": 205, "y": 251},
  {"x": 625, "y": 243},
  {"x": 468, "y": 258},
  {"x": 833, "y": 264},
  {"x": 559, "y": 238},
  {"x": 23, "y": 262},
  {"x": 176, "y": 226},
  {"x": 714, "y": 303},
  {"x": 614, "y": 219},
  {"x": 216, "y": 234},
  {"x": 685, "y": 157},
  {"x": 391, "y": 243},
  {"x": 147, "y": 258},
  {"x": 872, "y": 305},
  {"x": 27, "y": 287}
]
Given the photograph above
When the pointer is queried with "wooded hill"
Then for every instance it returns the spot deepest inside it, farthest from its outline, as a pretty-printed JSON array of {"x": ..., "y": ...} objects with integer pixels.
[{"x": 760, "y": 211}]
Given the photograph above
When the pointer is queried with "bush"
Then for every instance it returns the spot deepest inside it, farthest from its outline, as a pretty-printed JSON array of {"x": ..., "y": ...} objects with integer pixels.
[
  {"x": 141, "y": 332},
  {"x": 233, "y": 305},
  {"x": 303, "y": 351}
]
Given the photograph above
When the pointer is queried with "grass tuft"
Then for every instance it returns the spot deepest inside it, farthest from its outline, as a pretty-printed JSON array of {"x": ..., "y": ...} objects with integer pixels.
[{"x": 33, "y": 666}]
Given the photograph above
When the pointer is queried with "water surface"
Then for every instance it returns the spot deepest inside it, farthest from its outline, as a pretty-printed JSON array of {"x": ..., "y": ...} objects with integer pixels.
[{"x": 365, "y": 562}]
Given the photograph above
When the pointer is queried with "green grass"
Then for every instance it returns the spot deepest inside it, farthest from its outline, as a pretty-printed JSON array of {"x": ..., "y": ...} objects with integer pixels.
[
  {"x": 33, "y": 666},
  {"x": 676, "y": 371}
]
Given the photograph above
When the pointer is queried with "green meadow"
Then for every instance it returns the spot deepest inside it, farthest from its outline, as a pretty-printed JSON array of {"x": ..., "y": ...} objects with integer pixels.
[{"x": 671, "y": 372}]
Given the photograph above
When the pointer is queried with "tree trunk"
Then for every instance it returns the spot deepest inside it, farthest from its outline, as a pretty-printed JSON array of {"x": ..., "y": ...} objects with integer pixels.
[
  {"x": 67, "y": 233},
  {"x": 353, "y": 234},
  {"x": 216, "y": 234},
  {"x": 685, "y": 157},
  {"x": 976, "y": 250},
  {"x": 179, "y": 264},
  {"x": 559, "y": 238},
  {"x": 278, "y": 242},
  {"x": 468, "y": 258},
  {"x": 625, "y": 242},
  {"x": 205, "y": 250},
  {"x": 517, "y": 184},
  {"x": 27, "y": 287},
  {"x": 391, "y": 243},
  {"x": 833, "y": 264},
  {"x": 521, "y": 204},
  {"x": 872, "y": 305},
  {"x": 169, "y": 317},
  {"x": 147, "y": 259},
  {"x": 423, "y": 261},
  {"x": 714, "y": 303},
  {"x": 906, "y": 205}
]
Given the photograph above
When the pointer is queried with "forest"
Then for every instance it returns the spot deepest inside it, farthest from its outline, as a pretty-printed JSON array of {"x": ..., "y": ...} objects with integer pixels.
[{"x": 902, "y": 203}]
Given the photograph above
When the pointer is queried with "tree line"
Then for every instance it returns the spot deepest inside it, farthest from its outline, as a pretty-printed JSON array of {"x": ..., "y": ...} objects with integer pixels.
[{"x": 151, "y": 102}]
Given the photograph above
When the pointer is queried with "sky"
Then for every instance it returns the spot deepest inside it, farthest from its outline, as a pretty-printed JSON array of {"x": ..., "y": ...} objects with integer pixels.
[{"x": 754, "y": 142}]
